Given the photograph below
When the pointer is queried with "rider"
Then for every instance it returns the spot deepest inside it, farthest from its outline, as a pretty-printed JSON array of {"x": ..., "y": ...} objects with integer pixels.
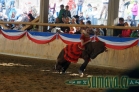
[
  {"x": 85, "y": 38},
  {"x": 74, "y": 51}
]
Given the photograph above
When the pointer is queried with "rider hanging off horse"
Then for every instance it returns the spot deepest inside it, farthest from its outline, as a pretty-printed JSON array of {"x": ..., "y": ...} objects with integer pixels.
[{"x": 86, "y": 50}]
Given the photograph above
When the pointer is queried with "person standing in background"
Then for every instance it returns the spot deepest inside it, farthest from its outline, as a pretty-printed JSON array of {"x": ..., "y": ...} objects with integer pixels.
[
  {"x": 60, "y": 2},
  {"x": 61, "y": 13},
  {"x": 95, "y": 16},
  {"x": 118, "y": 32},
  {"x": 67, "y": 12},
  {"x": 135, "y": 11},
  {"x": 88, "y": 12},
  {"x": 12, "y": 2},
  {"x": 71, "y": 3},
  {"x": 79, "y": 6},
  {"x": 104, "y": 8},
  {"x": 52, "y": 6},
  {"x": 122, "y": 8},
  {"x": 81, "y": 17}
]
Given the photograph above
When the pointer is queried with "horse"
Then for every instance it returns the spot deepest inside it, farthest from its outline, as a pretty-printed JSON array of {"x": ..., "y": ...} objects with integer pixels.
[{"x": 92, "y": 50}]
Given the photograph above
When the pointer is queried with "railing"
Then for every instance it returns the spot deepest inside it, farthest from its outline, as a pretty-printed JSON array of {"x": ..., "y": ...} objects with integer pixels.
[{"x": 70, "y": 25}]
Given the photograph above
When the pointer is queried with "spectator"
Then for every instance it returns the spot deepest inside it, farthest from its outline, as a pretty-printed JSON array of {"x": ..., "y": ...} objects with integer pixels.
[
  {"x": 87, "y": 18},
  {"x": 30, "y": 17},
  {"x": 12, "y": 2},
  {"x": 25, "y": 17},
  {"x": 66, "y": 21},
  {"x": 11, "y": 11},
  {"x": 118, "y": 32},
  {"x": 52, "y": 7},
  {"x": 99, "y": 32},
  {"x": 51, "y": 18},
  {"x": 73, "y": 21},
  {"x": 60, "y": 2},
  {"x": 90, "y": 31},
  {"x": 127, "y": 3},
  {"x": 134, "y": 33},
  {"x": 57, "y": 20},
  {"x": 88, "y": 12},
  {"x": 126, "y": 32},
  {"x": 79, "y": 6},
  {"x": 81, "y": 17},
  {"x": 104, "y": 8},
  {"x": 13, "y": 17},
  {"x": 135, "y": 11},
  {"x": 78, "y": 30},
  {"x": 71, "y": 4},
  {"x": 55, "y": 30},
  {"x": 77, "y": 18},
  {"x": 67, "y": 12},
  {"x": 130, "y": 21},
  {"x": 61, "y": 13},
  {"x": 88, "y": 22},
  {"x": 72, "y": 30},
  {"x": 104, "y": 30},
  {"x": 95, "y": 16},
  {"x": 17, "y": 27},
  {"x": 81, "y": 22}
]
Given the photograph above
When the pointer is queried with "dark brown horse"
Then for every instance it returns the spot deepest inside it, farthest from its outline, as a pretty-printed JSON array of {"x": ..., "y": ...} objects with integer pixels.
[{"x": 92, "y": 50}]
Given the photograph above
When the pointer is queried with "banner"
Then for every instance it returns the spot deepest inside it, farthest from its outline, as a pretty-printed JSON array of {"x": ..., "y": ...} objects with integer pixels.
[
  {"x": 116, "y": 43},
  {"x": 41, "y": 37}
]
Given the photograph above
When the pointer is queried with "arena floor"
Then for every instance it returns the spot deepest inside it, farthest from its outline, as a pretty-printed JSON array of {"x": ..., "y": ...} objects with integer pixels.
[{"x": 19, "y": 74}]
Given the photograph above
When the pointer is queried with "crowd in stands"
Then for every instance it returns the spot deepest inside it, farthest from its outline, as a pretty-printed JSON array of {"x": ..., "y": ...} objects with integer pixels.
[
  {"x": 125, "y": 32},
  {"x": 10, "y": 13},
  {"x": 65, "y": 18}
]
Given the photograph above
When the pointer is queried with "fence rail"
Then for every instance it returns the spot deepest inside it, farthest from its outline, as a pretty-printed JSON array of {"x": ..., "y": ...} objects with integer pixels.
[{"x": 71, "y": 25}]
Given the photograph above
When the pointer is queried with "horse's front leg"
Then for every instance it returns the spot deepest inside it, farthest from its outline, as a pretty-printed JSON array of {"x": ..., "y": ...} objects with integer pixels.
[{"x": 83, "y": 66}]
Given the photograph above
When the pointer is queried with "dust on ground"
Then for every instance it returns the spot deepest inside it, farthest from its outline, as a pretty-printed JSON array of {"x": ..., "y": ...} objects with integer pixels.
[{"x": 20, "y": 74}]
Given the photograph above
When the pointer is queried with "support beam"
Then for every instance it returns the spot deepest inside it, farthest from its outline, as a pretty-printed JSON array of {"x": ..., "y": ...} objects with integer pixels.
[
  {"x": 113, "y": 10},
  {"x": 44, "y": 9}
]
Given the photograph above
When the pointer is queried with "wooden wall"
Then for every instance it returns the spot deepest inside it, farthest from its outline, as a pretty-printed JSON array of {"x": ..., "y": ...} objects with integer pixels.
[{"x": 122, "y": 59}]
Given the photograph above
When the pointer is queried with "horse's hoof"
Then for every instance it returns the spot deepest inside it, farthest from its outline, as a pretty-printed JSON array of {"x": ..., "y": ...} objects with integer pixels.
[
  {"x": 81, "y": 73},
  {"x": 62, "y": 73}
]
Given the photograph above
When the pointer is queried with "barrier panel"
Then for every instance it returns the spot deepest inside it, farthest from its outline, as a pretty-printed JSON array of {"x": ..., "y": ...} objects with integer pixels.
[{"x": 122, "y": 54}]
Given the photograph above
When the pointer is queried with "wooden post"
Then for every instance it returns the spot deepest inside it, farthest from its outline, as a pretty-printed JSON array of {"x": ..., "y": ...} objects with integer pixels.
[
  {"x": 44, "y": 9},
  {"x": 113, "y": 11}
]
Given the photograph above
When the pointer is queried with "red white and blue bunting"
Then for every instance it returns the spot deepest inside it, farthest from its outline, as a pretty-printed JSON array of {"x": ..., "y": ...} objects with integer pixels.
[
  {"x": 45, "y": 37},
  {"x": 70, "y": 39},
  {"x": 41, "y": 37},
  {"x": 13, "y": 35},
  {"x": 118, "y": 43}
]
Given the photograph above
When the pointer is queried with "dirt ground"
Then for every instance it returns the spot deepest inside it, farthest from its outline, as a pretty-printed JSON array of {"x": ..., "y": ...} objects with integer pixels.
[{"x": 20, "y": 74}]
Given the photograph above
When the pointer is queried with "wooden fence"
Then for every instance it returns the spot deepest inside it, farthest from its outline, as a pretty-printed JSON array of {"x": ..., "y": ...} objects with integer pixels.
[
  {"x": 122, "y": 59},
  {"x": 70, "y": 25}
]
